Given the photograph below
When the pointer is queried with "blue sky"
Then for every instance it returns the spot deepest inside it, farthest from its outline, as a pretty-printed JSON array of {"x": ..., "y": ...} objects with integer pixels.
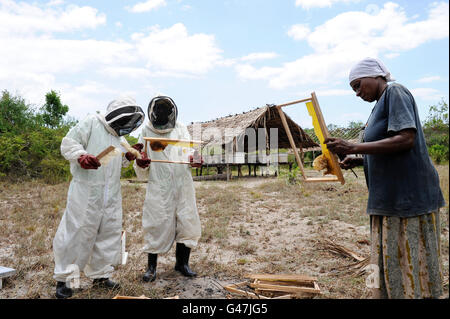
[{"x": 216, "y": 58}]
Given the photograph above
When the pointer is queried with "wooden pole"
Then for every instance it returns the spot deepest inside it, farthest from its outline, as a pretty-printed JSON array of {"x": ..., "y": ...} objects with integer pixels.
[{"x": 291, "y": 139}]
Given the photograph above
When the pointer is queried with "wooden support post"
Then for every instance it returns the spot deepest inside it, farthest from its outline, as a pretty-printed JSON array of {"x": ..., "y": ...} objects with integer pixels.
[{"x": 291, "y": 139}]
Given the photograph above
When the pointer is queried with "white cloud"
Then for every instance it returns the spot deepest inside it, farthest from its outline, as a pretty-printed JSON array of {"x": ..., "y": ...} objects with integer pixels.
[
  {"x": 426, "y": 94},
  {"x": 88, "y": 97},
  {"x": 429, "y": 79},
  {"x": 129, "y": 72},
  {"x": 299, "y": 31},
  {"x": 174, "y": 51},
  {"x": 247, "y": 71},
  {"x": 392, "y": 55},
  {"x": 308, "y": 4},
  {"x": 259, "y": 56},
  {"x": 33, "y": 59},
  {"x": 41, "y": 54},
  {"x": 55, "y": 3},
  {"x": 28, "y": 19},
  {"x": 147, "y": 6},
  {"x": 348, "y": 37}
]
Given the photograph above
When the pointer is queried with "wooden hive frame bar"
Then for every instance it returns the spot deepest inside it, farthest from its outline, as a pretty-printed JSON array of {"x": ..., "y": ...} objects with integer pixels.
[
  {"x": 322, "y": 133},
  {"x": 276, "y": 286}
]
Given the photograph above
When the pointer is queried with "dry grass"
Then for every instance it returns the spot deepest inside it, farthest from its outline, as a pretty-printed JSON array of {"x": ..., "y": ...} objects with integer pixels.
[{"x": 248, "y": 225}]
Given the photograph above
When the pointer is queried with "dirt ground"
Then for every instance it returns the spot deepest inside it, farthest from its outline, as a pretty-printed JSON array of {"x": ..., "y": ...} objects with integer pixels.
[{"x": 249, "y": 225}]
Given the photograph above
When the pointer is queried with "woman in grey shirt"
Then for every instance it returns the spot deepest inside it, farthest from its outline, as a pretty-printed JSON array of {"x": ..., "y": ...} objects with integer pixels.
[{"x": 404, "y": 192}]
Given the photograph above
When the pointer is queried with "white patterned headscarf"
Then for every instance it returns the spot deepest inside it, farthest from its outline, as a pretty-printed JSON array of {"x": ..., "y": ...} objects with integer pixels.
[{"x": 369, "y": 67}]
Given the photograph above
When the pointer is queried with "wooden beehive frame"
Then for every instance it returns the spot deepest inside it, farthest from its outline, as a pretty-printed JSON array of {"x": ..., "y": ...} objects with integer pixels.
[
  {"x": 276, "y": 286},
  {"x": 184, "y": 143},
  {"x": 322, "y": 133}
]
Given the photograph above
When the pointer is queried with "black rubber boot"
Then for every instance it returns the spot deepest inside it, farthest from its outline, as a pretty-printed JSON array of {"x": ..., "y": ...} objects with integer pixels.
[
  {"x": 62, "y": 291},
  {"x": 150, "y": 274},
  {"x": 182, "y": 264},
  {"x": 105, "y": 283}
]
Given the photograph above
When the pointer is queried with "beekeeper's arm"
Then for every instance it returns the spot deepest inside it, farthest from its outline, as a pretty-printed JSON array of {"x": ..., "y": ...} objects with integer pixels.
[
  {"x": 74, "y": 144},
  {"x": 127, "y": 157},
  {"x": 142, "y": 166}
]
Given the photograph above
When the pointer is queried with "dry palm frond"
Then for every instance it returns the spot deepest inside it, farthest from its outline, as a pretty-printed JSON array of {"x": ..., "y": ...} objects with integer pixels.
[
  {"x": 358, "y": 266},
  {"x": 341, "y": 250}
]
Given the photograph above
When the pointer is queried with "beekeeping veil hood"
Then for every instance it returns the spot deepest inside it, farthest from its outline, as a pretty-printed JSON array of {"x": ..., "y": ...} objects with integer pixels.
[
  {"x": 162, "y": 114},
  {"x": 123, "y": 116}
]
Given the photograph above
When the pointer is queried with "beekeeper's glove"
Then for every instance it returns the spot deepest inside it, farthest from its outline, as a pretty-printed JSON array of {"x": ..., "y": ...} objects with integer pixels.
[
  {"x": 88, "y": 161},
  {"x": 196, "y": 160},
  {"x": 144, "y": 161}
]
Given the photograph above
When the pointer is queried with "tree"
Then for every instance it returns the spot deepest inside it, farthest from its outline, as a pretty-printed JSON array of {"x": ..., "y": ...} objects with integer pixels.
[
  {"x": 332, "y": 127},
  {"x": 53, "y": 110},
  {"x": 30, "y": 145},
  {"x": 15, "y": 115},
  {"x": 437, "y": 116},
  {"x": 435, "y": 128},
  {"x": 355, "y": 124}
]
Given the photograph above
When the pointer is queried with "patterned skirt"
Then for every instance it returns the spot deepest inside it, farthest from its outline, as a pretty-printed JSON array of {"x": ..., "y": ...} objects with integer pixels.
[{"x": 406, "y": 254}]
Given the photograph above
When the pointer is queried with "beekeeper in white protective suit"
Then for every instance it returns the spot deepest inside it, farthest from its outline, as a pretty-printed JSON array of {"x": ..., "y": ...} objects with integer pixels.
[
  {"x": 89, "y": 235},
  {"x": 170, "y": 209}
]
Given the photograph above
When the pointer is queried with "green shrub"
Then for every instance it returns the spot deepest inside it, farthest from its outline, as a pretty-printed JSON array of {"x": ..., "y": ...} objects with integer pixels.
[
  {"x": 439, "y": 153},
  {"x": 436, "y": 129},
  {"x": 29, "y": 147}
]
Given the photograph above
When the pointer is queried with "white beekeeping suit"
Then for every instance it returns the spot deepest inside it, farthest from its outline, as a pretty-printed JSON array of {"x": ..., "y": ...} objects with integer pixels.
[
  {"x": 170, "y": 210},
  {"x": 89, "y": 234}
]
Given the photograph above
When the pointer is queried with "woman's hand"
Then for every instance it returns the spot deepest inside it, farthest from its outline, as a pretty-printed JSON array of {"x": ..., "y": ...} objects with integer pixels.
[
  {"x": 339, "y": 146},
  {"x": 350, "y": 162}
]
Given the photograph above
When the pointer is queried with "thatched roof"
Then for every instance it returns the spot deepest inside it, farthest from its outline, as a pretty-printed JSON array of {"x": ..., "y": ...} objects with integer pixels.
[{"x": 233, "y": 127}]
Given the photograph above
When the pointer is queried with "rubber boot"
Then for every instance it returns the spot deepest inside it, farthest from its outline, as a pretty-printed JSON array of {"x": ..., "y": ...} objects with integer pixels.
[
  {"x": 150, "y": 274},
  {"x": 182, "y": 255},
  {"x": 105, "y": 283},
  {"x": 62, "y": 291}
]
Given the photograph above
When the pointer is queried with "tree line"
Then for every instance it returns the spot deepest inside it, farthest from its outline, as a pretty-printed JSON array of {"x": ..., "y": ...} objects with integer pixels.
[{"x": 30, "y": 138}]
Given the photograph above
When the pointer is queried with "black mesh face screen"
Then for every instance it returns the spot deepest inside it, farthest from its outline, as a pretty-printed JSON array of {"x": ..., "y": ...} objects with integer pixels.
[
  {"x": 127, "y": 123},
  {"x": 161, "y": 112},
  {"x": 122, "y": 110}
]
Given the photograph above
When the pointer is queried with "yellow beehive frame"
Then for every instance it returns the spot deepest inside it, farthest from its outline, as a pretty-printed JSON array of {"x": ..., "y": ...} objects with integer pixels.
[{"x": 322, "y": 133}]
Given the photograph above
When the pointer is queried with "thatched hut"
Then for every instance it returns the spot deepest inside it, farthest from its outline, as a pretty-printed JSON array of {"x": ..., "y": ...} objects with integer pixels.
[
  {"x": 231, "y": 131},
  {"x": 265, "y": 117}
]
